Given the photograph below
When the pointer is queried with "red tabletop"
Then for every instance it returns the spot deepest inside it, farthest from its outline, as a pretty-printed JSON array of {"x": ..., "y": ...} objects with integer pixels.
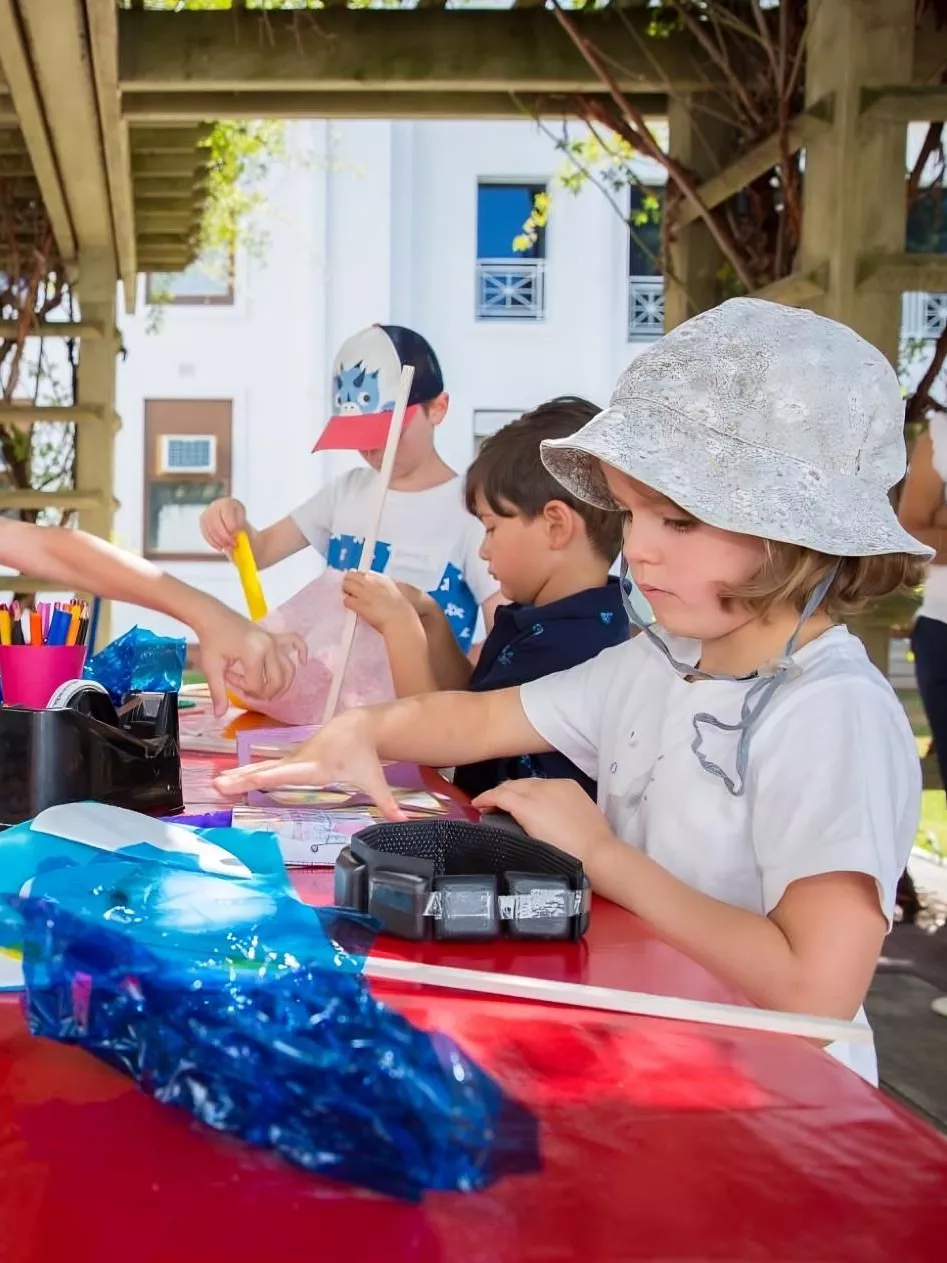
[{"x": 659, "y": 1140}]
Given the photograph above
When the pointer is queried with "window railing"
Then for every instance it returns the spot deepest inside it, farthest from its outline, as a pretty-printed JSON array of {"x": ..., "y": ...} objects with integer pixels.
[
  {"x": 645, "y": 308},
  {"x": 511, "y": 289},
  {"x": 923, "y": 316}
]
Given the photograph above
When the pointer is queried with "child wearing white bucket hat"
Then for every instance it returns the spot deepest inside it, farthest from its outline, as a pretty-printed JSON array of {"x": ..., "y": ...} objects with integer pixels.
[{"x": 758, "y": 782}]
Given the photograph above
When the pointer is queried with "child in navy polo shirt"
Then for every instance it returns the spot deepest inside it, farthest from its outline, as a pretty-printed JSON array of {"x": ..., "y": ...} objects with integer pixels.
[{"x": 550, "y": 553}]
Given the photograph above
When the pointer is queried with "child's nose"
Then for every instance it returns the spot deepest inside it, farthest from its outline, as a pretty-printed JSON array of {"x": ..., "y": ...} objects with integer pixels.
[{"x": 639, "y": 545}]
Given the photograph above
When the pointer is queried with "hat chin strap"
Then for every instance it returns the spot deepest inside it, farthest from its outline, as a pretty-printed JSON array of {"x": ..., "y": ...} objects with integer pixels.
[{"x": 763, "y": 683}]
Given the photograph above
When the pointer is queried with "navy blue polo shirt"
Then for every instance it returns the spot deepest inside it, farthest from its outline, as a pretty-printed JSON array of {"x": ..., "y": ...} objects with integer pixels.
[{"x": 528, "y": 642}]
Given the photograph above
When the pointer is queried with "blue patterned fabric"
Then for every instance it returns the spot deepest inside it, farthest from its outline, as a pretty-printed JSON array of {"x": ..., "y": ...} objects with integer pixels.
[
  {"x": 528, "y": 642},
  {"x": 452, "y": 593}
]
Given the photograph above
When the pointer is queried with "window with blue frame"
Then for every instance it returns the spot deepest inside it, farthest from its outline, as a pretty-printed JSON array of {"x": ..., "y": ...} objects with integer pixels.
[
  {"x": 645, "y": 281},
  {"x": 510, "y": 282},
  {"x": 645, "y": 210}
]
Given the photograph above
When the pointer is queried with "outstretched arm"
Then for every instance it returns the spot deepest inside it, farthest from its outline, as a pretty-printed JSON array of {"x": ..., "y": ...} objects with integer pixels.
[
  {"x": 437, "y": 730},
  {"x": 232, "y": 649}
]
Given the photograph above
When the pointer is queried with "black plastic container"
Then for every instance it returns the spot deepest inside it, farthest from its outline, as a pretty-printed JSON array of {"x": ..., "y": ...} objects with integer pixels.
[{"x": 89, "y": 752}]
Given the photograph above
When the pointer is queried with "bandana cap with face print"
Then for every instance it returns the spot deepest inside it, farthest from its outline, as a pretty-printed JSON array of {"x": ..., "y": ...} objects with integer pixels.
[{"x": 365, "y": 377}]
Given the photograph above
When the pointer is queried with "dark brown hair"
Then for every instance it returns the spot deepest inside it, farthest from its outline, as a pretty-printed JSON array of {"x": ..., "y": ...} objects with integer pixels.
[
  {"x": 509, "y": 474},
  {"x": 790, "y": 573}
]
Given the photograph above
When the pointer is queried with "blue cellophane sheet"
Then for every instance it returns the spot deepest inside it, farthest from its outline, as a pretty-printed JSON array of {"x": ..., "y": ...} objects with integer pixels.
[{"x": 235, "y": 1002}]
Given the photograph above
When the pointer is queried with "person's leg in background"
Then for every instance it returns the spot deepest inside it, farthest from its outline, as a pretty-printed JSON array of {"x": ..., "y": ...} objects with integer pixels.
[{"x": 929, "y": 642}]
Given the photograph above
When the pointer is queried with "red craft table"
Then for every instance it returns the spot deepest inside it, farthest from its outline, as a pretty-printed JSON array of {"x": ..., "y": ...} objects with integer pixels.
[{"x": 660, "y": 1140}]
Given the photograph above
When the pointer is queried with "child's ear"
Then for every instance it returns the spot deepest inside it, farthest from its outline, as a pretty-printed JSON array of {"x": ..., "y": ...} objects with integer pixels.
[
  {"x": 437, "y": 408},
  {"x": 560, "y": 523}
]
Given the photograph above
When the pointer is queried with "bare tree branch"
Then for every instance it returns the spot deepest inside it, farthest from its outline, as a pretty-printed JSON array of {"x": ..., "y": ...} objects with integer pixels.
[{"x": 637, "y": 122}]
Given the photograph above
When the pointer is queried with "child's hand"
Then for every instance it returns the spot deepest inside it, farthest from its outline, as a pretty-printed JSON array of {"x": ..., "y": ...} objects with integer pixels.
[
  {"x": 559, "y": 812},
  {"x": 220, "y": 523},
  {"x": 342, "y": 753},
  {"x": 237, "y": 654},
  {"x": 422, "y": 603},
  {"x": 375, "y": 598}
]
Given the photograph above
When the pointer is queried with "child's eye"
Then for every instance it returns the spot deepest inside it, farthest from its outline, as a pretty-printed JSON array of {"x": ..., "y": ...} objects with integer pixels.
[{"x": 682, "y": 524}]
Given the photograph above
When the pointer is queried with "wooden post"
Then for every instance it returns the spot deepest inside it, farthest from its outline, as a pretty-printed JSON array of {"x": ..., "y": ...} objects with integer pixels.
[
  {"x": 95, "y": 441},
  {"x": 702, "y": 144},
  {"x": 853, "y": 194}
]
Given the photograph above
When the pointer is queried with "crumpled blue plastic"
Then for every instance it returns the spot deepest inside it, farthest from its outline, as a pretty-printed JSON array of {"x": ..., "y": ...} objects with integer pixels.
[
  {"x": 232, "y": 1000},
  {"x": 138, "y": 662}
]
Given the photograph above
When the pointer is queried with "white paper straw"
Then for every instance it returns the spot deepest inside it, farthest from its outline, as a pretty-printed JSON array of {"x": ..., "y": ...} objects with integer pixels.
[
  {"x": 824, "y": 1029},
  {"x": 368, "y": 548}
]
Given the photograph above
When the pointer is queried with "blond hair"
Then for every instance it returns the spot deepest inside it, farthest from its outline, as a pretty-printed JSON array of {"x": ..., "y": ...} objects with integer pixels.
[{"x": 790, "y": 573}]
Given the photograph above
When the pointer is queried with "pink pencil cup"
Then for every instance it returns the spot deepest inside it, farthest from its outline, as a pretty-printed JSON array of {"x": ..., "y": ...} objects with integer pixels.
[{"x": 31, "y": 674}]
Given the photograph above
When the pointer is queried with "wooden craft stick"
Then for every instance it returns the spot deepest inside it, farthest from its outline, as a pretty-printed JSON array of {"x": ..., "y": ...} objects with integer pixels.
[
  {"x": 368, "y": 548},
  {"x": 519, "y": 987}
]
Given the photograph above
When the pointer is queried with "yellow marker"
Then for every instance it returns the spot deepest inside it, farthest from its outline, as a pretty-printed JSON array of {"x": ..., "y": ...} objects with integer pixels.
[
  {"x": 242, "y": 557},
  {"x": 6, "y": 628}
]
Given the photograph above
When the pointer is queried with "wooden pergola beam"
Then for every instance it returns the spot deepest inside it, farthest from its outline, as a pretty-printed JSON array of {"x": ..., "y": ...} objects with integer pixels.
[
  {"x": 102, "y": 25},
  {"x": 757, "y": 161},
  {"x": 167, "y": 140},
  {"x": 52, "y": 500},
  {"x": 170, "y": 186},
  {"x": 147, "y": 202},
  {"x": 797, "y": 289},
  {"x": 902, "y": 273},
  {"x": 28, "y": 110},
  {"x": 919, "y": 102},
  {"x": 58, "y": 53},
  {"x": 183, "y": 163},
  {"x": 55, "y": 329},
  {"x": 11, "y": 414},
  {"x": 519, "y": 50},
  {"x": 190, "y": 107}
]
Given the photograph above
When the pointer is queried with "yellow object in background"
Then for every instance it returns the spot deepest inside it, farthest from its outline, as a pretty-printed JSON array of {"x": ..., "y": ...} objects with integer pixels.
[{"x": 242, "y": 557}]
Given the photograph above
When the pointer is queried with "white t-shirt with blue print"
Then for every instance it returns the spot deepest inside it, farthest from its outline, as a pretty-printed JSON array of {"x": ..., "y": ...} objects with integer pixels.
[{"x": 426, "y": 538}]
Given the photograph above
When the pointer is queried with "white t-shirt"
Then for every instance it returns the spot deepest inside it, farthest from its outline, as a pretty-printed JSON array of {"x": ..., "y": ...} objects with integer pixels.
[
  {"x": 426, "y": 538},
  {"x": 833, "y": 782}
]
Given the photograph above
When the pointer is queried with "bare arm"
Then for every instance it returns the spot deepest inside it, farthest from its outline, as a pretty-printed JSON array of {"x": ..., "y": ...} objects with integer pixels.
[
  {"x": 489, "y": 608},
  {"x": 84, "y": 562},
  {"x": 222, "y": 521},
  {"x": 408, "y": 657},
  {"x": 922, "y": 497},
  {"x": 815, "y": 953},
  {"x": 451, "y": 667},
  {"x": 277, "y": 542},
  {"x": 233, "y": 651},
  {"x": 438, "y": 730},
  {"x": 392, "y": 609}
]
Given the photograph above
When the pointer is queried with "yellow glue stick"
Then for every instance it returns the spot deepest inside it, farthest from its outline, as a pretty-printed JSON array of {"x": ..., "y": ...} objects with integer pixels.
[{"x": 242, "y": 557}]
